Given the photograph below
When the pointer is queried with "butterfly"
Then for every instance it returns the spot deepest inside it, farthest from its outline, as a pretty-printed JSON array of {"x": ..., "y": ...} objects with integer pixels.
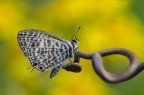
[{"x": 46, "y": 51}]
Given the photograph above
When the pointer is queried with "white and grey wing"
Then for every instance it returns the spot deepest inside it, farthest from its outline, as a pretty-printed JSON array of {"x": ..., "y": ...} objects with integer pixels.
[{"x": 50, "y": 50}]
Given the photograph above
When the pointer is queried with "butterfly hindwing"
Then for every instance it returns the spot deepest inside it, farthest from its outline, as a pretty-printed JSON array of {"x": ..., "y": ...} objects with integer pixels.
[{"x": 48, "y": 49}]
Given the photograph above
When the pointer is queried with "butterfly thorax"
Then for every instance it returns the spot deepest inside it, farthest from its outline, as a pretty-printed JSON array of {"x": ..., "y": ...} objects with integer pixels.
[{"x": 72, "y": 47}]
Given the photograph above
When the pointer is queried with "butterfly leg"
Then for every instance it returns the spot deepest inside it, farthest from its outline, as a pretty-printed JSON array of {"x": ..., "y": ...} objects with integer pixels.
[{"x": 55, "y": 71}]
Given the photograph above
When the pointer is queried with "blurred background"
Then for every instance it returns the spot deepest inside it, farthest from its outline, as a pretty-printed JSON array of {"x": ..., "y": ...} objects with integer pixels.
[{"x": 105, "y": 24}]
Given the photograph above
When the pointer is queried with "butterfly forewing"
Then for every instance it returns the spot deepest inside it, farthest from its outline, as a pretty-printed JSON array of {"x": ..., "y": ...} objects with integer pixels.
[{"x": 49, "y": 49}]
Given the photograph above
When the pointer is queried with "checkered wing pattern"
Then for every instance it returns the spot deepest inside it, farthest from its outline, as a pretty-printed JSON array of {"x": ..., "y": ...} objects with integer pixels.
[{"x": 48, "y": 49}]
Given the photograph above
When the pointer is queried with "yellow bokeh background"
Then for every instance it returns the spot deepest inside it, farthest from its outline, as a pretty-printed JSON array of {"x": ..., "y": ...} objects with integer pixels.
[{"x": 105, "y": 24}]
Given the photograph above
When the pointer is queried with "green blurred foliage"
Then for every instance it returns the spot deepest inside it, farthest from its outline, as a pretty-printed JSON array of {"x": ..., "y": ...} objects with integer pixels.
[
  {"x": 105, "y": 24},
  {"x": 137, "y": 8}
]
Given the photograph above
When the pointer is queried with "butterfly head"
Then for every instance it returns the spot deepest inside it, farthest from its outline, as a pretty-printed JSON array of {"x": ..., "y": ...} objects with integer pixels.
[
  {"x": 37, "y": 65},
  {"x": 75, "y": 43},
  {"x": 75, "y": 40}
]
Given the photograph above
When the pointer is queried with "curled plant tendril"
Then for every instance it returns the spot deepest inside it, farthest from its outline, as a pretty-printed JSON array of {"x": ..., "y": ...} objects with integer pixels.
[{"x": 132, "y": 70}]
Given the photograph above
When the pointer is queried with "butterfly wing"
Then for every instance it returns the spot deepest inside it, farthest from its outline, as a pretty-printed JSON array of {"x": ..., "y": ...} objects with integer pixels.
[{"x": 48, "y": 49}]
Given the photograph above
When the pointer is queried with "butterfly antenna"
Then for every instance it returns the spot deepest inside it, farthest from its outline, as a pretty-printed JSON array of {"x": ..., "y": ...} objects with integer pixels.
[
  {"x": 31, "y": 72},
  {"x": 28, "y": 68},
  {"x": 76, "y": 32}
]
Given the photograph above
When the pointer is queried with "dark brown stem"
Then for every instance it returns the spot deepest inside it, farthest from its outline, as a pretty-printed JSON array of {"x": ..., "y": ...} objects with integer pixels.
[{"x": 132, "y": 70}]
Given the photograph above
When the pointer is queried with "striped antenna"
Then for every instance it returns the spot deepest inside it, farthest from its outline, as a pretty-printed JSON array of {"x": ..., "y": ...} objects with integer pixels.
[{"x": 78, "y": 28}]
